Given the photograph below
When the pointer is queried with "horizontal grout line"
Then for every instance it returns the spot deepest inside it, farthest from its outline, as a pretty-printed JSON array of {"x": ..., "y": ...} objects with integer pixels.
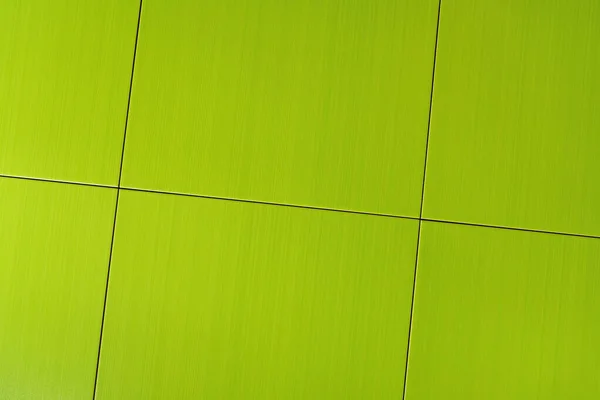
[
  {"x": 28, "y": 178},
  {"x": 509, "y": 228},
  {"x": 269, "y": 203},
  {"x": 300, "y": 206}
]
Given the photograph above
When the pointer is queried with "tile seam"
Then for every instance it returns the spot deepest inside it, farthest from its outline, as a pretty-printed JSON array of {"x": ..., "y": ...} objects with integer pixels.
[
  {"x": 112, "y": 241},
  {"x": 316, "y": 208},
  {"x": 415, "y": 268}
]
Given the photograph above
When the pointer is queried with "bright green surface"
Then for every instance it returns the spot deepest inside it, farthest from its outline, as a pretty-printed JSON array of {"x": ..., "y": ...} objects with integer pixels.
[
  {"x": 224, "y": 300},
  {"x": 65, "y": 67},
  {"x": 515, "y": 136},
  {"x": 54, "y": 248},
  {"x": 320, "y": 103},
  {"x": 505, "y": 315}
]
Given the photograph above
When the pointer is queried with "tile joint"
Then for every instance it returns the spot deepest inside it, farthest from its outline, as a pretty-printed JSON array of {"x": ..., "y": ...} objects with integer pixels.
[
  {"x": 316, "y": 208},
  {"x": 112, "y": 241},
  {"x": 414, "y": 285}
]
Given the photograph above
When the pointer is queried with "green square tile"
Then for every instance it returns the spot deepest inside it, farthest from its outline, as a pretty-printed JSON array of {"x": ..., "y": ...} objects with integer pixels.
[
  {"x": 65, "y": 68},
  {"x": 212, "y": 299},
  {"x": 54, "y": 251},
  {"x": 502, "y": 314},
  {"x": 321, "y": 103},
  {"x": 515, "y": 133}
]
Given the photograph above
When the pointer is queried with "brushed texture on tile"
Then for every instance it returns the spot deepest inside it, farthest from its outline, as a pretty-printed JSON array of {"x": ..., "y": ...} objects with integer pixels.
[
  {"x": 212, "y": 299},
  {"x": 515, "y": 133},
  {"x": 65, "y": 68},
  {"x": 54, "y": 250},
  {"x": 321, "y": 103},
  {"x": 503, "y": 314}
]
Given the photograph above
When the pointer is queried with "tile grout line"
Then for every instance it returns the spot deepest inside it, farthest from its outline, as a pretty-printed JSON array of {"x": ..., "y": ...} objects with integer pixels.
[
  {"x": 30, "y": 178},
  {"x": 267, "y": 203},
  {"x": 510, "y": 228},
  {"x": 112, "y": 240},
  {"x": 201, "y": 196},
  {"x": 414, "y": 285}
]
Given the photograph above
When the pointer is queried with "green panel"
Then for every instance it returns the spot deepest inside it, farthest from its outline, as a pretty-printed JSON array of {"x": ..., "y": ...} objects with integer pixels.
[
  {"x": 54, "y": 251},
  {"x": 505, "y": 315},
  {"x": 322, "y": 103},
  {"x": 212, "y": 299},
  {"x": 515, "y": 137},
  {"x": 65, "y": 68}
]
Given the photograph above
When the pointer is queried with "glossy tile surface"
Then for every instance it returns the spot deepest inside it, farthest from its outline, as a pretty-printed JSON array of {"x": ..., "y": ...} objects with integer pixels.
[
  {"x": 304, "y": 102},
  {"x": 65, "y": 68},
  {"x": 218, "y": 299},
  {"x": 54, "y": 250},
  {"x": 501, "y": 314},
  {"x": 515, "y": 133},
  {"x": 323, "y": 104}
]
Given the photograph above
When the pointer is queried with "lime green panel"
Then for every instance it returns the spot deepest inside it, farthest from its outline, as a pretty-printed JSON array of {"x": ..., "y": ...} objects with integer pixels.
[
  {"x": 505, "y": 315},
  {"x": 515, "y": 137},
  {"x": 322, "y": 103},
  {"x": 212, "y": 299},
  {"x": 65, "y": 68},
  {"x": 54, "y": 251}
]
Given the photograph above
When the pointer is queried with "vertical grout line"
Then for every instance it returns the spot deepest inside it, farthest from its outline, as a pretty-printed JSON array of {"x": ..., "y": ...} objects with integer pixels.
[
  {"x": 437, "y": 30},
  {"x": 112, "y": 240},
  {"x": 135, "y": 46},
  {"x": 414, "y": 286}
]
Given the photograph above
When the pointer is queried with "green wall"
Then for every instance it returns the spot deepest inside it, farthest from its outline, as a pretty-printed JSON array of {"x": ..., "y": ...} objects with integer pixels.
[{"x": 302, "y": 199}]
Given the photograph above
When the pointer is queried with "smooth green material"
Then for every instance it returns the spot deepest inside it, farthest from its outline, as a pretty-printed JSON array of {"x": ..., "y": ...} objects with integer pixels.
[
  {"x": 65, "y": 68},
  {"x": 320, "y": 103},
  {"x": 212, "y": 299},
  {"x": 515, "y": 136},
  {"x": 54, "y": 251},
  {"x": 503, "y": 314}
]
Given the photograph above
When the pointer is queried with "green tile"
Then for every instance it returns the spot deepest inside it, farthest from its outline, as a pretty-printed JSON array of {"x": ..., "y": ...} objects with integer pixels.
[
  {"x": 515, "y": 131},
  {"x": 212, "y": 299},
  {"x": 502, "y": 314},
  {"x": 321, "y": 103},
  {"x": 65, "y": 68},
  {"x": 54, "y": 250}
]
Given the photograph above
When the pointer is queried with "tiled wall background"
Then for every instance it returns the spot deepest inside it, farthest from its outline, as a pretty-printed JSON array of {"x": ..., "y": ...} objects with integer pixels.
[{"x": 335, "y": 199}]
